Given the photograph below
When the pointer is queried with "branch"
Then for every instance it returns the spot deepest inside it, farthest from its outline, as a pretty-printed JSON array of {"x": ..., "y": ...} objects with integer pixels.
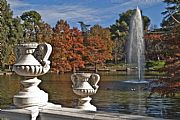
[{"x": 173, "y": 17}]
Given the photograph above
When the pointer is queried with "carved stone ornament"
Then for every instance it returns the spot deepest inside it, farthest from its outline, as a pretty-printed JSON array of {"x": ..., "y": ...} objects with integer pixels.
[
  {"x": 31, "y": 61},
  {"x": 84, "y": 85}
]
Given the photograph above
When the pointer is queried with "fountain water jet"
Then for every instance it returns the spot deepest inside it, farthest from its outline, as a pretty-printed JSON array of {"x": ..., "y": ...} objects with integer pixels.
[{"x": 135, "y": 49}]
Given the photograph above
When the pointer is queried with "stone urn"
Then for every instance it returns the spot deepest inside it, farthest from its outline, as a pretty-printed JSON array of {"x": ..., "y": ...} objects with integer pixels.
[
  {"x": 31, "y": 61},
  {"x": 85, "y": 85}
]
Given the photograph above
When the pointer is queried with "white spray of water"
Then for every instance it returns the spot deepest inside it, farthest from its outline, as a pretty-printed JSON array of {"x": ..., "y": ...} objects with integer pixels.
[{"x": 135, "y": 51}]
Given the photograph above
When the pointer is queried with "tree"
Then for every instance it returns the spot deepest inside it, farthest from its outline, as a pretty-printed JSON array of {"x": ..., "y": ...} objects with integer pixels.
[
  {"x": 172, "y": 37},
  {"x": 45, "y": 33},
  {"x": 31, "y": 21},
  {"x": 72, "y": 51},
  {"x": 76, "y": 50},
  {"x": 171, "y": 82},
  {"x": 10, "y": 32},
  {"x": 119, "y": 33},
  {"x": 15, "y": 36},
  {"x": 61, "y": 33},
  {"x": 35, "y": 30},
  {"x": 16, "y": 31},
  {"x": 155, "y": 47},
  {"x": 172, "y": 13},
  {"x": 105, "y": 35},
  {"x": 68, "y": 48},
  {"x": 98, "y": 46}
]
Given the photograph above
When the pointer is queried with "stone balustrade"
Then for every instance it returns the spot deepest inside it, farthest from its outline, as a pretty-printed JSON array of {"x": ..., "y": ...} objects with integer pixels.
[{"x": 68, "y": 114}]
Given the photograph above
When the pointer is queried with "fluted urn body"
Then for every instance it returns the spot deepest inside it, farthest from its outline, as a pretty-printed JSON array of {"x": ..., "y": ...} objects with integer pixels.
[
  {"x": 31, "y": 61},
  {"x": 84, "y": 85}
]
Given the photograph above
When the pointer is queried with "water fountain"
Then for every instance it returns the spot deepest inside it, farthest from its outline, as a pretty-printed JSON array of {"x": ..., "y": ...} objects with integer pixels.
[{"x": 135, "y": 48}]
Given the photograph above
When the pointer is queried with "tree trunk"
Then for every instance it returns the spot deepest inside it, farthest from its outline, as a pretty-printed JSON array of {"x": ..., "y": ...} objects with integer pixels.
[
  {"x": 96, "y": 70},
  {"x": 3, "y": 67}
]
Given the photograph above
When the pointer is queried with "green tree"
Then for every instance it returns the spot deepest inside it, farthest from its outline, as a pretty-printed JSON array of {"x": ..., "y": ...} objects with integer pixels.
[
  {"x": 16, "y": 31},
  {"x": 119, "y": 32},
  {"x": 10, "y": 32},
  {"x": 31, "y": 20},
  {"x": 35, "y": 30},
  {"x": 172, "y": 13}
]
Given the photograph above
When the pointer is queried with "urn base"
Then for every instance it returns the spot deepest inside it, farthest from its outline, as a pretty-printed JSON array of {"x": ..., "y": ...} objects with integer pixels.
[
  {"x": 31, "y": 95},
  {"x": 84, "y": 104},
  {"x": 22, "y": 101}
]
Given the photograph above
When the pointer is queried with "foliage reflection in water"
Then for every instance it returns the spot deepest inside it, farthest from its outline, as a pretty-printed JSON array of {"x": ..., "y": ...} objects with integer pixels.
[{"x": 114, "y": 95}]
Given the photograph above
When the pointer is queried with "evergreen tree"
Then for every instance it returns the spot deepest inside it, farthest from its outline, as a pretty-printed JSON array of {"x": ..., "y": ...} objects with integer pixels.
[
  {"x": 35, "y": 30},
  {"x": 10, "y": 32},
  {"x": 172, "y": 13}
]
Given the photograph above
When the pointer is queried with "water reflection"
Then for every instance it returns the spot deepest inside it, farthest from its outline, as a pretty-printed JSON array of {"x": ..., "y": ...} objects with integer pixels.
[
  {"x": 113, "y": 95},
  {"x": 59, "y": 88},
  {"x": 9, "y": 86}
]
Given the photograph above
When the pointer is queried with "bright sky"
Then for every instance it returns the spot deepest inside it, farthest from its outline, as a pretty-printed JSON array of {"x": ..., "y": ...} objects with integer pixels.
[{"x": 102, "y": 12}]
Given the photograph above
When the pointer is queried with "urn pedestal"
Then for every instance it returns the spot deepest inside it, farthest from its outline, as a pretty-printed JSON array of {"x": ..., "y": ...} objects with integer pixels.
[
  {"x": 31, "y": 95},
  {"x": 85, "y": 85},
  {"x": 31, "y": 61}
]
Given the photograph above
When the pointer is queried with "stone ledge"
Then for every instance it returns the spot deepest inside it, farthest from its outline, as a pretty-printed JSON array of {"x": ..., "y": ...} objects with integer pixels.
[{"x": 48, "y": 113}]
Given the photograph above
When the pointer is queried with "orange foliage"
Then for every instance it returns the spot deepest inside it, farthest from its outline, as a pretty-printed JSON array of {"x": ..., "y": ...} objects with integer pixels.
[
  {"x": 96, "y": 51},
  {"x": 155, "y": 47},
  {"x": 76, "y": 49},
  {"x": 172, "y": 68},
  {"x": 153, "y": 36},
  {"x": 59, "y": 43},
  {"x": 71, "y": 50}
]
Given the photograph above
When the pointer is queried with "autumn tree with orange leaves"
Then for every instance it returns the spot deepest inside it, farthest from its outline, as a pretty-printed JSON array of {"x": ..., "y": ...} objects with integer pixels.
[
  {"x": 98, "y": 46},
  {"x": 72, "y": 51},
  {"x": 155, "y": 47},
  {"x": 67, "y": 48},
  {"x": 76, "y": 49},
  {"x": 61, "y": 34},
  {"x": 171, "y": 81}
]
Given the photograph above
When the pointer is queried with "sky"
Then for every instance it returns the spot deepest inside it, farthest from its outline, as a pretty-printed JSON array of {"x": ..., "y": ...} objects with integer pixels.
[{"x": 102, "y": 12}]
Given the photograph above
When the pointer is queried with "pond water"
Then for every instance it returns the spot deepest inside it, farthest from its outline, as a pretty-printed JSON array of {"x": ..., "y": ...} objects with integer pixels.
[{"x": 113, "y": 95}]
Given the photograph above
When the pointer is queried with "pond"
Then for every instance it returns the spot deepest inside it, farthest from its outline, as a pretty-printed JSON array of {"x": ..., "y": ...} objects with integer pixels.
[{"x": 113, "y": 95}]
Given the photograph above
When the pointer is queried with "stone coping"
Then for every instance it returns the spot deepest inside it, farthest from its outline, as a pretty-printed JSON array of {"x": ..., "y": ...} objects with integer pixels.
[{"x": 56, "y": 112}]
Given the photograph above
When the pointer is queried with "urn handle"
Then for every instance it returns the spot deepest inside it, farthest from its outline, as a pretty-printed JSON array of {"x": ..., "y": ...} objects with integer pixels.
[
  {"x": 94, "y": 79},
  {"x": 42, "y": 53},
  {"x": 74, "y": 79}
]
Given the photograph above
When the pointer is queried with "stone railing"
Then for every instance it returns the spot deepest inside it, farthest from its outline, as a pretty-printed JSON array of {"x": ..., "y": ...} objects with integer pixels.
[{"x": 31, "y": 62}]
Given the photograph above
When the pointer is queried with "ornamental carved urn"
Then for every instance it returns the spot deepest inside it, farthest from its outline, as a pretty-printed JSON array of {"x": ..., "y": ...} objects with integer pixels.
[
  {"x": 31, "y": 62},
  {"x": 85, "y": 85}
]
